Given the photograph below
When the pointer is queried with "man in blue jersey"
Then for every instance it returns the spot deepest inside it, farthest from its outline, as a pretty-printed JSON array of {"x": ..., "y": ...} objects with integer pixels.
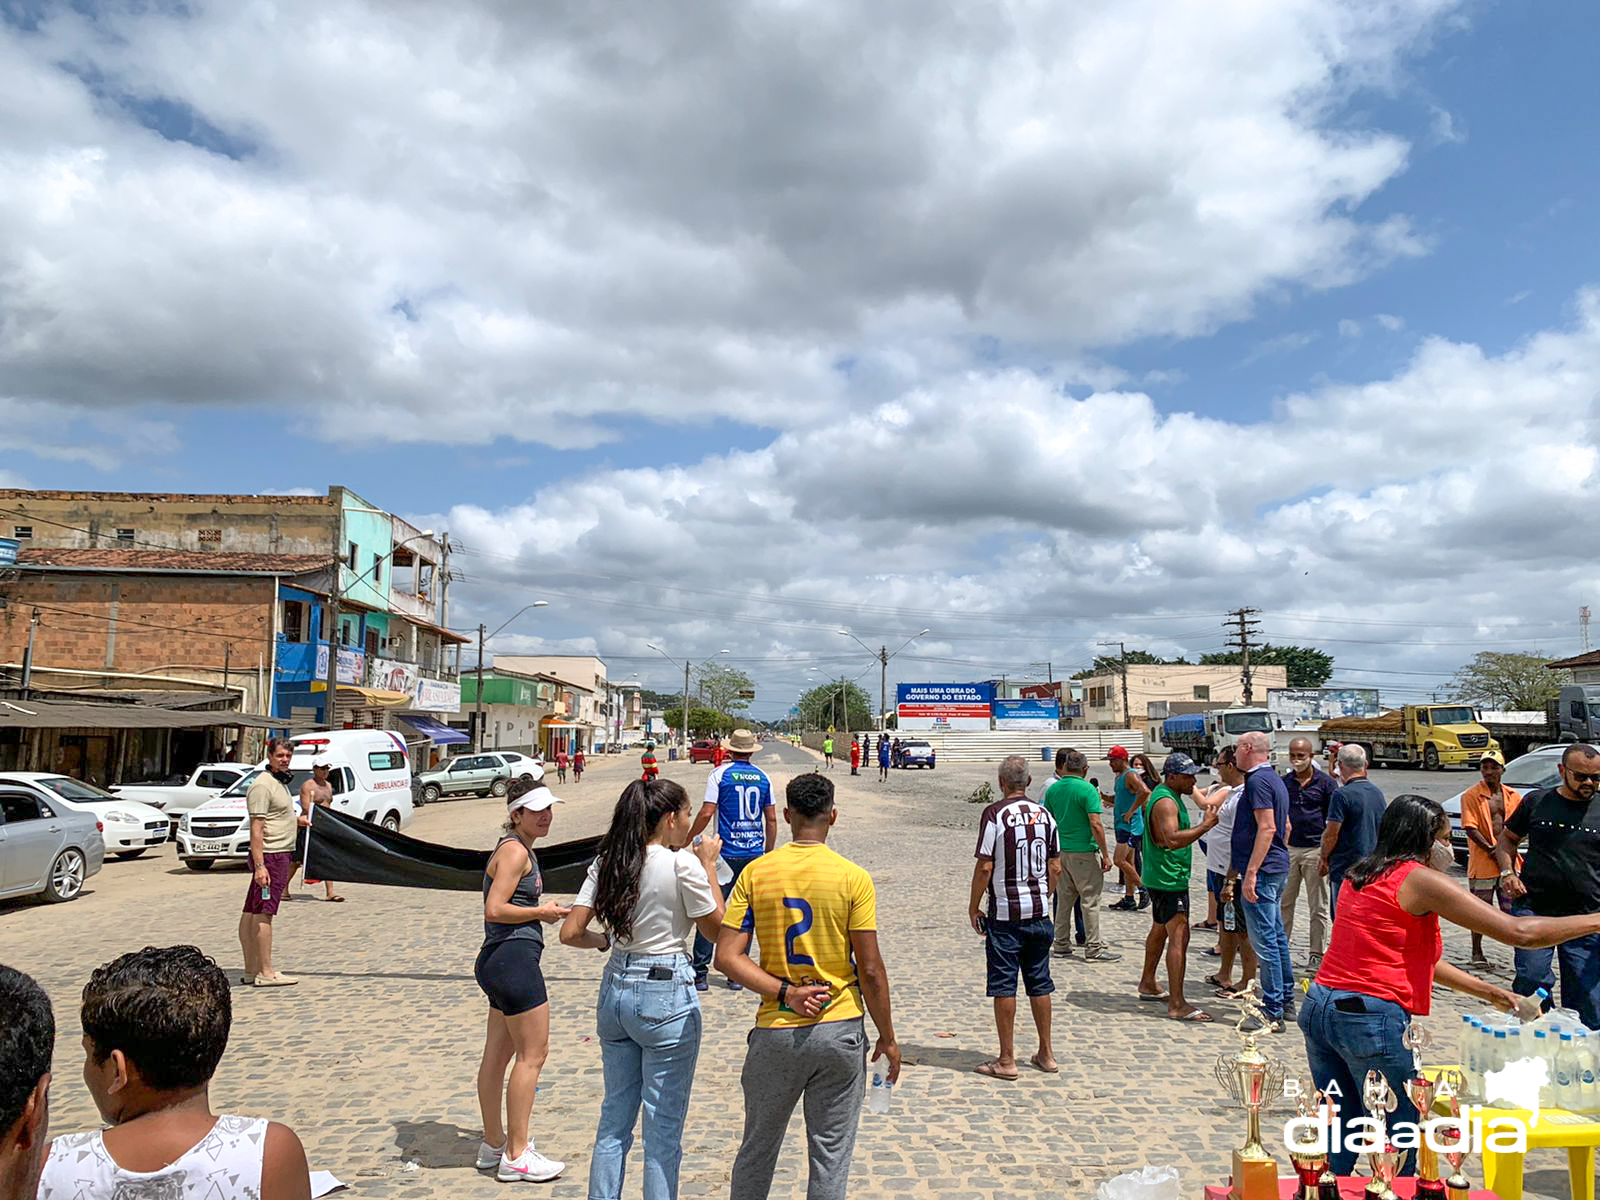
[{"x": 739, "y": 796}]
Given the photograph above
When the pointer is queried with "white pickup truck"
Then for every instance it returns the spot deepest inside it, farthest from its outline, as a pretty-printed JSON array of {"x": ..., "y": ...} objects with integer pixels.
[{"x": 181, "y": 795}]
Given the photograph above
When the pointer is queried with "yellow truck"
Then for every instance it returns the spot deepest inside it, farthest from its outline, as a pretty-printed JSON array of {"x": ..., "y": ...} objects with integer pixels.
[{"x": 1434, "y": 736}]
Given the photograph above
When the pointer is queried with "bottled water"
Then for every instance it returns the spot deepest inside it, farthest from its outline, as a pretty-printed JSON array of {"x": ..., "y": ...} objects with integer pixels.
[
  {"x": 880, "y": 1094},
  {"x": 1565, "y": 1074},
  {"x": 1588, "y": 1073},
  {"x": 1467, "y": 1052},
  {"x": 1497, "y": 1053},
  {"x": 1531, "y": 1008}
]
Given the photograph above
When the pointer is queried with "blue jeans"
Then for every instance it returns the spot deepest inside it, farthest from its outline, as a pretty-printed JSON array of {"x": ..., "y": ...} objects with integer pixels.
[
  {"x": 703, "y": 949},
  {"x": 1263, "y": 921},
  {"x": 1335, "y": 882},
  {"x": 1343, "y": 1046},
  {"x": 649, "y": 1040},
  {"x": 1580, "y": 972}
]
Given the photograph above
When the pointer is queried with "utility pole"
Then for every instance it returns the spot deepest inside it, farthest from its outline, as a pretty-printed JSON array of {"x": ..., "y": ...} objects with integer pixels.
[
  {"x": 227, "y": 654},
  {"x": 27, "y": 655},
  {"x": 477, "y": 701},
  {"x": 686, "y": 706},
  {"x": 883, "y": 688},
  {"x": 1122, "y": 660},
  {"x": 1243, "y": 625},
  {"x": 1583, "y": 626}
]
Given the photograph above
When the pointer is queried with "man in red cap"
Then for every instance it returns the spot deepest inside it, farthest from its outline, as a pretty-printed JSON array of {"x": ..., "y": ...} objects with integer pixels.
[{"x": 1127, "y": 807}]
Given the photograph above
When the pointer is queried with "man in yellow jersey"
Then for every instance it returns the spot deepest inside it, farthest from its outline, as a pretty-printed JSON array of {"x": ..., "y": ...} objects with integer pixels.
[{"x": 815, "y": 915}]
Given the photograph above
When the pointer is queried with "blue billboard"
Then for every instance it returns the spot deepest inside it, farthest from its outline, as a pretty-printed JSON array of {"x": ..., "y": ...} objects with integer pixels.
[{"x": 1027, "y": 714}]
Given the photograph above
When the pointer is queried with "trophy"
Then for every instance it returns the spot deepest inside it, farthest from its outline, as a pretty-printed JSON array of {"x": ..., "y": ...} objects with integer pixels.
[
  {"x": 1378, "y": 1098},
  {"x": 1456, "y": 1186},
  {"x": 1307, "y": 1151},
  {"x": 1421, "y": 1090},
  {"x": 1250, "y": 1077}
]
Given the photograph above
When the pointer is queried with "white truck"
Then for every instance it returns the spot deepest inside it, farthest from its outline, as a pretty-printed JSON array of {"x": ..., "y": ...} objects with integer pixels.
[
  {"x": 185, "y": 793},
  {"x": 1202, "y": 735}
]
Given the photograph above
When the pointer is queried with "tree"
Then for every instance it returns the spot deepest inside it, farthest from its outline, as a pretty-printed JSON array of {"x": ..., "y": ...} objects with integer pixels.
[
  {"x": 842, "y": 705},
  {"x": 660, "y": 700},
  {"x": 702, "y": 721},
  {"x": 719, "y": 687},
  {"x": 1308, "y": 666},
  {"x": 1503, "y": 680},
  {"x": 1110, "y": 664}
]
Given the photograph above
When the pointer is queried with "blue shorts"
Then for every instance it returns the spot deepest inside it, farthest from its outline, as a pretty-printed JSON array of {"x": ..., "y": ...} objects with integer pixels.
[
  {"x": 1013, "y": 946},
  {"x": 1127, "y": 837},
  {"x": 1214, "y": 882}
]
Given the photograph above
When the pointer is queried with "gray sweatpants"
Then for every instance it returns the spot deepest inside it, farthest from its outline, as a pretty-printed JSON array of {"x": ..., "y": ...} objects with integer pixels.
[{"x": 827, "y": 1065}]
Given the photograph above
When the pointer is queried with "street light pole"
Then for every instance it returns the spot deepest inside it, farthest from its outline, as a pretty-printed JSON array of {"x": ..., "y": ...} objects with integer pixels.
[
  {"x": 477, "y": 700},
  {"x": 883, "y": 656}
]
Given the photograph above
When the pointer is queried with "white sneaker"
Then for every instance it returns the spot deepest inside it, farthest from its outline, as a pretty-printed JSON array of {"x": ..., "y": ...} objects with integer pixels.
[
  {"x": 531, "y": 1167},
  {"x": 488, "y": 1156}
]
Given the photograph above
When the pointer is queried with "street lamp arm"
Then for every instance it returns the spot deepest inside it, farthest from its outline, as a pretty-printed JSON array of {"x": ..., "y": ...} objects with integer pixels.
[{"x": 514, "y": 616}]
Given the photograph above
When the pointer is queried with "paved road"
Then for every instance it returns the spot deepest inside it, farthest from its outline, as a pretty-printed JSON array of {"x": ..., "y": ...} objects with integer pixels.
[{"x": 372, "y": 1057}]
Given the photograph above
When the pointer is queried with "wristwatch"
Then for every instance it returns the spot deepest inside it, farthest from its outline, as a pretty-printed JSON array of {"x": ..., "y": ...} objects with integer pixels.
[
  {"x": 1507, "y": 873},
  {"x": 783, "y": 991}
]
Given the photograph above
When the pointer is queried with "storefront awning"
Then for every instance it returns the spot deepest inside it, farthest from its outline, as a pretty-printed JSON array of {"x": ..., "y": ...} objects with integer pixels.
[
  {"x": 439, "y": 734},
  {"x": 561, "y": 725},
  {"x": 377, "y": 696},
  {"x": 53, "y": 714}
]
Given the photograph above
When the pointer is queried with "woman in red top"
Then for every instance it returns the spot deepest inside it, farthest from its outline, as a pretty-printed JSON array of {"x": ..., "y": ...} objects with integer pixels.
[{"x": 1384, "y": 958}]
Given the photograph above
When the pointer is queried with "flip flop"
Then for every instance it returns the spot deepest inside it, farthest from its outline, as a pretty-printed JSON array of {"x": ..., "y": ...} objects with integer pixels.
[
  {"x": 1218, "y": 984},
  {"x": 1207, "y": 925},
  {"x": 991, "y": 1068},
  {"x": 276, "y": 981},
  {"x": 334, "y": 899},
  {"x": 1055, "y": 1070},
  {"x": 1159, "y": 998},
  {"x": 1195, "y": 1014}
]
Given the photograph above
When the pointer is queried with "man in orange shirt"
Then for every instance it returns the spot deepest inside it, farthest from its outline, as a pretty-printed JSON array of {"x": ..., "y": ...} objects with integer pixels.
[{"x": 1484, "y": 809}]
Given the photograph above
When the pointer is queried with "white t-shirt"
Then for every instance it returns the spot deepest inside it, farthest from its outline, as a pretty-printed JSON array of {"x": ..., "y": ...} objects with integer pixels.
[
  {"x": 673, "y": 891},
  {"x": 1219, "y": 842},
  {"x": 224, "y": 1165}
]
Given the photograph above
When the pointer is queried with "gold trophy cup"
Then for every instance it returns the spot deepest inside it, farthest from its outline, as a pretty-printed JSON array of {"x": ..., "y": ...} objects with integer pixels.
[
  {"x": 1250, "y": 1077},
  {"x": 1310, "y": 1155},
  {"x": 1456, "y": 1186},
  {"x": 1378, "y": 1098},
  {"x": 1421, "y": 1090}
]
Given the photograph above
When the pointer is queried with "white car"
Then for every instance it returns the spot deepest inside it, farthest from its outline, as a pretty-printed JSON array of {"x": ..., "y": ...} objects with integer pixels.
[
  {"x": 128, "y": 827},
  {"x": 183, "y": 794},
  {"x": 1527, "y": 773}
]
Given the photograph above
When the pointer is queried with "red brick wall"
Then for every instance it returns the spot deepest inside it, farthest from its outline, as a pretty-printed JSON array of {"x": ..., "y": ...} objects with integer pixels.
[{"x": 137, "y": 622}]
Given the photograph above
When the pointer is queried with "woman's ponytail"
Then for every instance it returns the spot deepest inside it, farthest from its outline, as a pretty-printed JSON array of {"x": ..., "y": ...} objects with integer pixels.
[{"x": 622, "y": 851}]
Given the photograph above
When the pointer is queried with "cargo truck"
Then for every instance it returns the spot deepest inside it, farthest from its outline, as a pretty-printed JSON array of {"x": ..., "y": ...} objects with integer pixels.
[
  {"x": 1433, "y": 736},
  {"x": 1574, "y": 716},
  {"x": 1202, "y": 735}
]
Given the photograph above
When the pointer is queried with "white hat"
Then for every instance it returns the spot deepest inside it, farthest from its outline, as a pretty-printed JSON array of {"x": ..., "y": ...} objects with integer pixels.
[{"x": 536, "y": 800}]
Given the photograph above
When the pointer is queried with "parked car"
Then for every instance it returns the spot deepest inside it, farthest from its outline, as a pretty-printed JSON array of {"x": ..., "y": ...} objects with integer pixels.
[
  {"x": 127, "y": 827},
  {"x": 474, "y": 775},
  {"x": 46, "y": 848},
  {"x": 1527, "y": 773},
  {"x": 184, "y": 793},
  {"x": 916, "y": 754},
  {"x": 702, "y": 751},
  {"x": 370, "y": 774}
]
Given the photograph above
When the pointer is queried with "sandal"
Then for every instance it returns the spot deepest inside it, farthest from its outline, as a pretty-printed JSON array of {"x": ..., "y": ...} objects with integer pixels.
[
  {"x": 1199, "y": 1015},
  {"x": 1159, "y": 997},
  {"x": 1034, "y": 1062},
  {"x": 991, "y": 1068}
]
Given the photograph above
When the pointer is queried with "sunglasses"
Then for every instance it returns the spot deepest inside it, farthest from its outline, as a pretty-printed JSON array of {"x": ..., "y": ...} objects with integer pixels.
[{"x": 1583, "y": 776}]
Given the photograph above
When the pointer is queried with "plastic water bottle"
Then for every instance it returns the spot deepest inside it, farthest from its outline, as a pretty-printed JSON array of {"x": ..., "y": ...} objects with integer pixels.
[
  {"x": 1472, "y": 1056},
  {"x": 1531, "y": 1008},
  {"x": 1464, "y": 1052},
  {"x": 882, "y": 1091},
  {"x": 1588, "y": 1074},
  {"x": 1497, "y": 1053},
  {"x": 1565, "y": 1073}
]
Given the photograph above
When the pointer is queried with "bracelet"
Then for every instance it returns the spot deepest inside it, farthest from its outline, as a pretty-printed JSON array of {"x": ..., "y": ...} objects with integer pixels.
[{"x": 783, "y": 991}]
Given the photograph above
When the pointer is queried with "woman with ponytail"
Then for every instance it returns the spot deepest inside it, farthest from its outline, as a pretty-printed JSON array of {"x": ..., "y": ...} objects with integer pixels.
[{"x": 648, "y": 894}]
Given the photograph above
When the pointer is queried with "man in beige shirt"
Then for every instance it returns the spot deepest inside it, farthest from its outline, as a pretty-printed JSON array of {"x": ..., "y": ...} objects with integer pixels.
[{"x": 273, "y": 822}]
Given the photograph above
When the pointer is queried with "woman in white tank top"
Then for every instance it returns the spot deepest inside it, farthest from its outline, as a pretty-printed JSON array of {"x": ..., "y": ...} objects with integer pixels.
[{"x": 155, "y": 1024}]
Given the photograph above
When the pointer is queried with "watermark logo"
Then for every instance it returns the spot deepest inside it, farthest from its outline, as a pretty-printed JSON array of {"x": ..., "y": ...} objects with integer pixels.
[{"x": 1475, "y": 1130}]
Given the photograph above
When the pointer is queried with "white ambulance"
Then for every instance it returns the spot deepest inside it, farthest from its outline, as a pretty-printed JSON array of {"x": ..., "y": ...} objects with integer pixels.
[{"x": 369, "y": 771}]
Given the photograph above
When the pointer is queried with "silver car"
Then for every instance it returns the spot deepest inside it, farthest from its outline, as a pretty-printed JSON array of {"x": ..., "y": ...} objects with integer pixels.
[{"x": 46, "y": 849}]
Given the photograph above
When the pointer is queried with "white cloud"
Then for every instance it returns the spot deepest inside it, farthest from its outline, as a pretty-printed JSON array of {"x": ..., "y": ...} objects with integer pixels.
[
  {"x": 662, "y": 212},
  {"x": 1391, "y": 322},
  {"x": 1021, "y": 524},
  {"x": 1349, "y": 328}
]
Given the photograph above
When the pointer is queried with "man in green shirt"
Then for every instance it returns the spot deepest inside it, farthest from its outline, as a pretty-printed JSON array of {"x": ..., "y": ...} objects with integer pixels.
[
  {"x": 1074, "y": 802},
  {"x": 1168, "y": 855}
]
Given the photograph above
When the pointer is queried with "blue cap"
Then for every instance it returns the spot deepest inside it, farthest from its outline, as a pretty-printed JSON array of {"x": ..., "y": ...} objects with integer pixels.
[{"x": 1179, "y": 763}]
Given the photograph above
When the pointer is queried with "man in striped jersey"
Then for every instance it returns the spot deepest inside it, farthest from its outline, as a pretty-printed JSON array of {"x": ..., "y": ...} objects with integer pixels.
[{"x": 1018, "y": 867}]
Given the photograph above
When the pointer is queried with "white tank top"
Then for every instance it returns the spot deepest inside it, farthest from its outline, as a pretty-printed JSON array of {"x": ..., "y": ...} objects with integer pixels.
[{"x": 224, "y": 1165}]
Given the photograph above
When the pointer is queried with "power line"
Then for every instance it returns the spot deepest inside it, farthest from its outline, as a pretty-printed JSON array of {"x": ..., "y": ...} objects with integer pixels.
[{"x": 1245, "y": 626}]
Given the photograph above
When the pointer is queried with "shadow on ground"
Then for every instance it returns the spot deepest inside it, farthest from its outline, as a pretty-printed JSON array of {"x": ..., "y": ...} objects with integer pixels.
[{"x": 436, "y": 1145}]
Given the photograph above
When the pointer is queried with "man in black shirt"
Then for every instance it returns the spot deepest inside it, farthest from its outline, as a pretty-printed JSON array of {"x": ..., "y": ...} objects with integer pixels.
[{"x": 1560, "y": 877}]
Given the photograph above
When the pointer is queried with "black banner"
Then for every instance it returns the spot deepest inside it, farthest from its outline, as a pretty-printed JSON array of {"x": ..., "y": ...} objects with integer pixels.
[{"x": 347, "y": 849}]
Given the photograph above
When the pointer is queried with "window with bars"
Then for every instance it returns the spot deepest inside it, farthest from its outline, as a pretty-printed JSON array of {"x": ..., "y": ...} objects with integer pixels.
[
  {"x": 209, "y": 536},
  {"x": 23, "y": 533},
  {"x": 125, "y": 535}
]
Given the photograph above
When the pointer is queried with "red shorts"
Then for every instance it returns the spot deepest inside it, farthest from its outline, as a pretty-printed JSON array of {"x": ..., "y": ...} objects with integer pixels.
[{"x": 279, "y": 867}]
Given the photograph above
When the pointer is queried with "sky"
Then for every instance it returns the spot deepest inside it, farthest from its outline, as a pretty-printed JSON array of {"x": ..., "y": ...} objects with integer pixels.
[{"x": 730, "y": 326}]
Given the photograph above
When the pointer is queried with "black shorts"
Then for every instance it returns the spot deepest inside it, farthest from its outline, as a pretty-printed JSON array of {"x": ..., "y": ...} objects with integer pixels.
[
  {"x": 1164, "y": 906},
  {"x": 1013, "y": 946},
  {"x": 509, "y": 974},
  {"x": 1126, "y": 837}
]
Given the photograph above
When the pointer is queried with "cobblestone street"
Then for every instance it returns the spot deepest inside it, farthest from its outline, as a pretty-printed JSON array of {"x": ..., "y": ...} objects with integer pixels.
[{"x": 371, "y": 1058}]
